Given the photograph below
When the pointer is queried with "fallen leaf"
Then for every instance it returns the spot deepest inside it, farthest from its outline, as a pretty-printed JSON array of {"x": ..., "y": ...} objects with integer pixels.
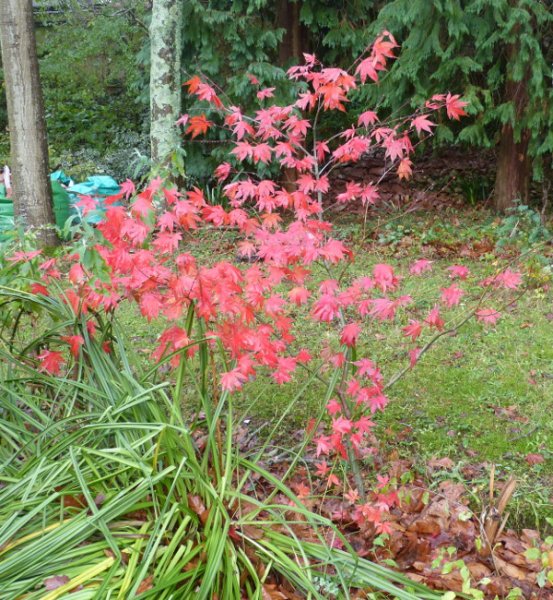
[
  {"x": 78, "y": 501},
  {"x": 530, "y": 536},
  {"x": 197, "y": 505},
  {"x": 509, "y": 412},
  {"x": 478, "y": 570},
  {"x": 441, "y": 463},
  {"x": 510, "y": 570},
  {"x": 270, "y": 592},
  {"x": 251, "y": 532},
  {"x": 426, "y": 527},
  {"x": 53, "y": 583},
  {"x": 452, "y": 491},
  {"x": 534, "y": 459},
  {"x": 145, "y": 585}
]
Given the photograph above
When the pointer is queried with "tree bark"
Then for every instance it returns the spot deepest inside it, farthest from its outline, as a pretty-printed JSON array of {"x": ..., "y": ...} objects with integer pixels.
[
  {"x": 165, "y": 84},
  {"x": 513, "y": 170},
  {"x": 28, "y": 142},
  {"x": 292, "y": 46},
  {"x": 294, "y": 43},
  {"x": 514, "y": 165}
]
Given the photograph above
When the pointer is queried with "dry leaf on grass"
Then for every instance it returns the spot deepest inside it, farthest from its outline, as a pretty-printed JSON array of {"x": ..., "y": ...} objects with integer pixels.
[
  {"x": 437, "y": 464},
  {"x": 146, "y": 585},
  {"x": 55, "y": 582},
  {"x": 534, "y": 459}
]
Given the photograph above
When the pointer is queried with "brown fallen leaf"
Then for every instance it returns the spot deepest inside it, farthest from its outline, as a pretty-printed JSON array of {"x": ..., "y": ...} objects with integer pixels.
[
  {"x": 441, "y": 463},
  {"x": 252, "y": 532},
  {"x": 78, "y": 501},
  {"x": 530, "y": 537},
  {"x": 534, "y": 459},
  {"x": 270, "y": 592},
  {"x": 414, "y": 550},
  {"x": 513, "y": 543},
  {"x": 509, "y": 412},
  {"x": 510, "y": 570},
  {"x": 478, "y": 570},
  {"x": 55, "y": 582},
  {"x": 519, "y": 560},
  {"x": 499, "y": 587},
  {"x": 197, "y": 505},
  {"x": 146, "y": 585},
  {"x": 426, "y": 527},
  {"x": 453, "y": 492}
]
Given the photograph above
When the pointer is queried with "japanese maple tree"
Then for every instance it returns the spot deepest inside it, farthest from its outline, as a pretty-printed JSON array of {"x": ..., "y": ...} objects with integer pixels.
[{"x": 247, "y": 308}]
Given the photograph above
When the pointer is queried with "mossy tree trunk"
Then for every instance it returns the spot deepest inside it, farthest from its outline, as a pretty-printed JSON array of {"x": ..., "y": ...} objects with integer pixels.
[
  {"x": 165, "y": 83},
  {"x": 28, "y": 141}
]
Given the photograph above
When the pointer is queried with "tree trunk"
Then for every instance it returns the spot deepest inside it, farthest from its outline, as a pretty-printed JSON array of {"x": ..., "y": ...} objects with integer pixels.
[
  {"x": 292, "y": 46},
  {"x": 165, "y": 84},
  {"x": 513, "y": 170},
  {"x": 514, "y": 166},
  {"x": 294, "y": 42},
  {"x": 28, "y": 143}
]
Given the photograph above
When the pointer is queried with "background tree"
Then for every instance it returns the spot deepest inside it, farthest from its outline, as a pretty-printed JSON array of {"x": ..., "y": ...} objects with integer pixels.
[
  {"x": 95, "y": 88},
  {"x": 498, "y": 54},
  {"x": 29, "y": 149},
  {"x": 165, "y": 79},
  {"x": 91, "y": 84}
]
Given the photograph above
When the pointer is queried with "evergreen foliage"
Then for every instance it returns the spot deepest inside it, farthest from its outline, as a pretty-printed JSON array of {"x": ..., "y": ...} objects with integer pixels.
[
  {"x": 462, "y": 46},
  {"x": 89, "y": 77},
  {"x": 469, "y": 47}
]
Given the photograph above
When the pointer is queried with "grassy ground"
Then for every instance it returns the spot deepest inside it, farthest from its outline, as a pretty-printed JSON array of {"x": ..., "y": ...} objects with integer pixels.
[{"x": 482, "y": 396}]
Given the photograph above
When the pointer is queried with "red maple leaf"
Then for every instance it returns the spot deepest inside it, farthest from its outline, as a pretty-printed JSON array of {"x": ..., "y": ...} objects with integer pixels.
[
  {"x": 265, "y": 93},
  {"x": 488, "y": 315},
  {"x": 350, "y": 333},
  {"x": 233, "y": 380},
  {"x": 413, "y": 330},
  {"x": 75, "y": 342},
  {"x": 367, "y": 118},
  {"x": 420, "y": 266},
  {"x": 192, "y": 84},
  {"x": 451, "y": 296},
  {"x": 454, "y": 106},
  {"x": 199, "y": 125},
  {"x": 51, "y": 361},
  {"x": 459, "y": 271},
  {"x": 421, "y": 123},
  {"x": 222, "y": 171}
]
